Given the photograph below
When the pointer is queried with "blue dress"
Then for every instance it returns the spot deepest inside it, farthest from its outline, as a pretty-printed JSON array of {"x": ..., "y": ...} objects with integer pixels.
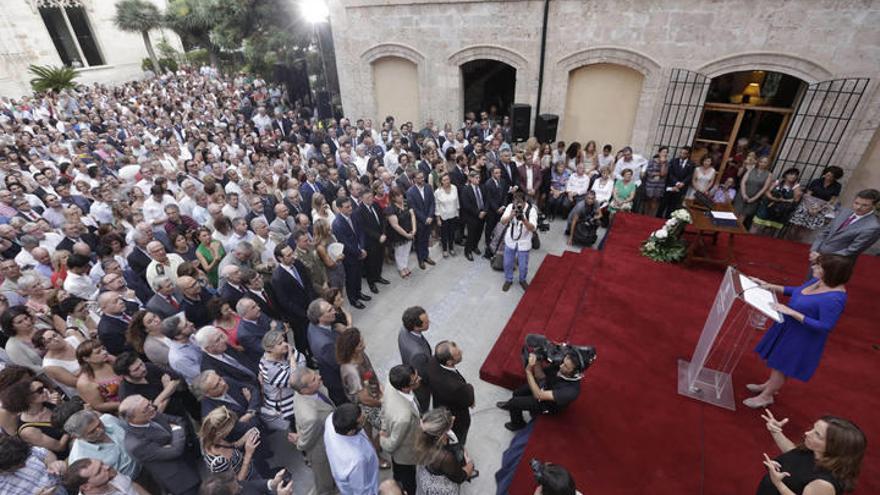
[{"x": 794, "y": 348}]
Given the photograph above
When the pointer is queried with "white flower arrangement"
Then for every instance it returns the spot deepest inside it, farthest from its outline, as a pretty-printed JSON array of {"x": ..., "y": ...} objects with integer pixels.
[{"x": 665, "y": 244}]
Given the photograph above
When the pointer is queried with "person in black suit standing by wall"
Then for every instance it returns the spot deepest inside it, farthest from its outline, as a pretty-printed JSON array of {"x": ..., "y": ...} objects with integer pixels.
[
  {"x": 473, "y": 212},
  {"x": 495, "y": 202},
  {"x": 449, "y": 389},
  {"x": 509, "y": 174},
  {"x": 346, "y": 231},
  {"x": 372, "y": 224},
  {"x": 291, "y": 282},
  {"x": 420, "y": 197},
  {"x": 681, "y": 170}
]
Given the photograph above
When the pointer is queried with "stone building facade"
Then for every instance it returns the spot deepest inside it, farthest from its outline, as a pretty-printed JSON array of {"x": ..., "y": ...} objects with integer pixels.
[
  {"x": 38, "y": 32},
  {"x": 645, "y": 42}
]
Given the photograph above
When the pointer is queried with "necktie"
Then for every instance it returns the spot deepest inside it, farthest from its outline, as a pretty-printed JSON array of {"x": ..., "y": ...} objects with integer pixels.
[
  {"x": 376, "y": 215},
  {"x": 295, "y": 273},
  {"x": 266, "y": 298},
  {"x": 852, "y": 218},
  {"x": 325, "y": 399},
  {"x": 172, "y": 302},
  {"x": 479, "y": 197}
]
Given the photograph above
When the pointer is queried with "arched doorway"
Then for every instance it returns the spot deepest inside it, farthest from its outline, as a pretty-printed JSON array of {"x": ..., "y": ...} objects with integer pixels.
[
  {"x": 396, "y": 86},
  {"x": 746, "y": 111},
  {"x": 601, "y": 104},
  {"x": 488, "y": 84}
]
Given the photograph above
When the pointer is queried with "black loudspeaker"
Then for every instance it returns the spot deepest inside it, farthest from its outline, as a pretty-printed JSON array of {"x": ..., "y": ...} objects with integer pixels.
[
  {"x": 545, "y": 127},
  {"x": 298, "y": 82},
  {"x": 324, "y": 109},
  {"x": 520, "y": 118}
]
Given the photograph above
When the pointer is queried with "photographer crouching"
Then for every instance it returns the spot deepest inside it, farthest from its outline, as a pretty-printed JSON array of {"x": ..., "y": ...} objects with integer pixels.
[
  {"x": 521, "y": 220},
  {"x": 551, "y": 386}
]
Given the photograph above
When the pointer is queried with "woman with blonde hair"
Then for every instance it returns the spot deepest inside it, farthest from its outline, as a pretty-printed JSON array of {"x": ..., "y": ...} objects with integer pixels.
[
  {"x": 98, "y": 384},
  {"x": 321, "y": 209},
  {"x": 323, "y": 238},
  {"x": 220, "y": 455},
  {"x": 444, "y": 464}
]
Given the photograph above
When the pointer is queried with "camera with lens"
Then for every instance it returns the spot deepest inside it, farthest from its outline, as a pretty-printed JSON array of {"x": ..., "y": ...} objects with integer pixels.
[
  {"x": 553, "y": 478},
  {"x": 518, "y": 209},
  {"x": 555, "y": 353}
]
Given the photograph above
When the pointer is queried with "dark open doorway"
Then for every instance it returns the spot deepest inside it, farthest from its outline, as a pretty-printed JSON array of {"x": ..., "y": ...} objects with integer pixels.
[{"x": 488, "y": 83}]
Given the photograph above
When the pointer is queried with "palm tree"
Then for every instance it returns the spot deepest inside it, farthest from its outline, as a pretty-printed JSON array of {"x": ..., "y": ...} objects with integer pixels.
[
  {"x": 194, "y": 19},
  {"x": 140, "y": 16}
]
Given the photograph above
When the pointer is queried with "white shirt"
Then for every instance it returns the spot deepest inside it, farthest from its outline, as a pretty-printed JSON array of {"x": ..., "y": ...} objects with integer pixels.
[
  {"x": 605, "y": 160},
  {"x": 603, "y": 190},
  {"x": 578, "y": 184},
  {"x": 517, "y": 236},
  {"x": 155, "y": 210},
  {"x": 391, "y": 162},
  {"x": 353, "y": 461},
  {"x": 446, "y": 203},
  {"x": 80, "y": 286},
  {"x": 637, "y": 165}
]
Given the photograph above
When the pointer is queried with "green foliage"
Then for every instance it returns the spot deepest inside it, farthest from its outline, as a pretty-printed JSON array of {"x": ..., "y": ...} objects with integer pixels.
[
  {"x": 165, "y": 64},
  {"x": 137, "y": 16},
  {"x": 197, "y": 57},
  {"x": 48, "y": 78},
  {"x": 166, "y": 50}
]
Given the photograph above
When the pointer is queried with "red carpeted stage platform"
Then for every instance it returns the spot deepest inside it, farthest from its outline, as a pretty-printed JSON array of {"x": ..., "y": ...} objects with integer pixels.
[{"x": 630, "y": 432}]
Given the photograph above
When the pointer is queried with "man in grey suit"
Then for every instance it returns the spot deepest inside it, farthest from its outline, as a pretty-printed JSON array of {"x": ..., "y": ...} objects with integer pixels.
[
  {"x": 415, "y": 350},
  {"x": 853, "y": 230},
  {"x": 401, "y": 424},
  {"x": 322, "y": 342},
  {"x": 164, "y": 303},
  {"x": 159, "y": 442},
  {"x": 311, "y": 406}
]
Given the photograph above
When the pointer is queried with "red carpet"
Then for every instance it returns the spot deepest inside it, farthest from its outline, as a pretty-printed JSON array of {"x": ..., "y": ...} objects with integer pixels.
[{"x": 630, "y": 432}]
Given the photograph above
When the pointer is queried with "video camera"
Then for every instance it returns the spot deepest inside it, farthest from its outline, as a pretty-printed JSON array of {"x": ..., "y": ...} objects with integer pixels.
[{"x": 554, "y": 353}]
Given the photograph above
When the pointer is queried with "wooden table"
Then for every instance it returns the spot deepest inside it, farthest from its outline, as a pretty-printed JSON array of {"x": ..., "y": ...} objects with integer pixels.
[{"x": 702, "y": 226}]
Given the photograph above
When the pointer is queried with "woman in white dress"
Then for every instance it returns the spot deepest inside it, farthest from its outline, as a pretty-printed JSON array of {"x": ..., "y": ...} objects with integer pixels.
[
  {"x": 446, "y": 197},
  {"x": 703, "y": 178},
  {"x": 59, "y": 362}
]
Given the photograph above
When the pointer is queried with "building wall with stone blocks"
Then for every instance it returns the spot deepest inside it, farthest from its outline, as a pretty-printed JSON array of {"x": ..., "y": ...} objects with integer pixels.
[
  {"x": 25, "y": 40},
  {"x": 814, "y": 40}
]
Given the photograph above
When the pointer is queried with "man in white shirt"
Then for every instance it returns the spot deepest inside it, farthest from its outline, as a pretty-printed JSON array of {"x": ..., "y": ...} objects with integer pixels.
[
  {"x": 521, "y": 219},
  {"x": 577, "y": 185},
  {"x": 630, "y": 161},
  {"x": 154, "y": 207},
  {"x": 262, "y": 120},
  {"x": 162, "y": 264},
  {"x": 90, "y": 476},
  {"x": 605, "y": 158},
  {"x": 391, "y": 156},
  {"x": 78, "y": 282},
  {"x": 361, "y": 159},
  {"x": 353, "y": 459}
]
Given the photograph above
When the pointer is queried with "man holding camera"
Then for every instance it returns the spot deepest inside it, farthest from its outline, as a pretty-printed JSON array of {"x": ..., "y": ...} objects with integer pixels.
[
  {"x": 521, "y": 219},
  {"x": 547, "y": 391}
]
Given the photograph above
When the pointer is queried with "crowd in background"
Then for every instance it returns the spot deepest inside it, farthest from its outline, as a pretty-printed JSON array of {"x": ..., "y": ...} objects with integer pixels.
[{"x": 180, "y": 253}]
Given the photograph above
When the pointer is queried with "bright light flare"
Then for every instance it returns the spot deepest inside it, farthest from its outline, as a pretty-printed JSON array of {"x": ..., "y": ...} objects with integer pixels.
[{"x": 314, "y": 11}]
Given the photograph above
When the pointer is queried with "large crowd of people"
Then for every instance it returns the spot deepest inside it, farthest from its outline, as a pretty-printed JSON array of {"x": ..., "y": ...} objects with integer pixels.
[{"x": 178, "y": 252}]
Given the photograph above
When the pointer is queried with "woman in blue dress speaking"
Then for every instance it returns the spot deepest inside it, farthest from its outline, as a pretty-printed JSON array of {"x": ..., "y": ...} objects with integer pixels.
[{"x": 793, "y": 348}]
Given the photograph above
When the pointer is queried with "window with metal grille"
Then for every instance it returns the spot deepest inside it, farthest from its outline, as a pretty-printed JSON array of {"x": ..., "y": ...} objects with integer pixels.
[
  {"x": 682, "y": 107},
  {"x": 72, "y": 36}
]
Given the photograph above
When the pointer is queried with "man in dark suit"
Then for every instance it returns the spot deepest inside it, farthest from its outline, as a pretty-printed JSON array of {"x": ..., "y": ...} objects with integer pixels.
[
  {"x": 261, "y": 293},
  {"x": 509, "y": 173},
  {"x": 161, "y": 444},
  {"x": 75, "y": 232},
  {"x": 244, "y": 400},
  {"x": 252, "y": 326},
  {"x": 113, "y": 323},
  {"x": 473, "y": 213},
  {"x": 681, "y": 170},
  {"x": 322, "y": 340},
  {"x": 290, "y": 280},
  {"x": 415, "y": 350},
  {"x": 138, "y": 259},
  {"x": 193, "y": 301},
  {"x": 308, "y": 189},
  {"x": 346, "y": 231},
  {"x": 372, "y": 225},
  {"x": 420, "y": 197},
  {"x": 229, "y": 363},
  {"x": 449, "y": 389},
  {"x": 231, "y": 290},
  {"x": 495, "y": 203},
  {"x": 405, "y": 180},
  {"x": 164, "y": 303},
  {"x": 853, "y": 230}
]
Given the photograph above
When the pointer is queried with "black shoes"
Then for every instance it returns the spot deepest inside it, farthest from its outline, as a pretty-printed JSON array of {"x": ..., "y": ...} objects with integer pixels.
[
  {"x": 477, "y": 251},
  {"x": 382, "y": 281},
  {"x": 358, "y": 305},
  {"x": 524, "y": 284},
  {"x": 374, "y": 289},
  {"x": 364, "y": 297},
  {"x": 506, "y": 286},
  {"x": 469, "y": 256},
  {"x": 514, "y": 426},
  {"x": 501, "y": 404},
  {"x": 430, "y": 261},
  {"x": 422, "y": 265}
]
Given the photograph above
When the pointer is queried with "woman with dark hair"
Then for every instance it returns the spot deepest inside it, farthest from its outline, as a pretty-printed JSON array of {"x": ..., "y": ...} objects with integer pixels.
[
  {"x": 443, "y": 462},
  {"x": 97, "y": 384},
  {"x": 18, "y": 325},
  {"x": 817, "y": 206},
  {"x": 224, "y": 318},
  {"x": 59, "y": 359},
  {"x": 144, "y": 335},
  {"x": 827, "y": 462},
  {"x": 361, "y": 384},
  {"x": 402, "y": 220},
  {"x": 335, "y": 297},
  {"x": 573, "y": 156},
  {"x": 794, "y": 347},
  {"x": 74, "y": 313},
  {"x": 755, "y": 181},
  {"x": 182, "y": 246},
  {"x": 209, "y": 253},
  {"x": 8, "y": 376},
  {"x": 31, "y": 400},
  {"x": 778, "y": 204}
]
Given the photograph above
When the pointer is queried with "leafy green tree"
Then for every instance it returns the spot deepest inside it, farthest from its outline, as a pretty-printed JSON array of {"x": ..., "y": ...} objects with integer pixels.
[
  {"x": 193, "y": 20},
  {"x": 48, "y": 78},
  {"x": 140, "y": 16}
]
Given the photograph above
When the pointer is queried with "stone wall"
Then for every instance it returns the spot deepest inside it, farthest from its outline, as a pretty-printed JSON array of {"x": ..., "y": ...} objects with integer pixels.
[
  {"x": 24, "y": 40},
  {"x": 814, "y": 40}
]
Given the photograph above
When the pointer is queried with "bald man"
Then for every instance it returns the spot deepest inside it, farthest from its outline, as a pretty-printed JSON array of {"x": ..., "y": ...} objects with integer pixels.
[
  {"x": 113, "y": 323},
  {"x": 193, "y": 301}
]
